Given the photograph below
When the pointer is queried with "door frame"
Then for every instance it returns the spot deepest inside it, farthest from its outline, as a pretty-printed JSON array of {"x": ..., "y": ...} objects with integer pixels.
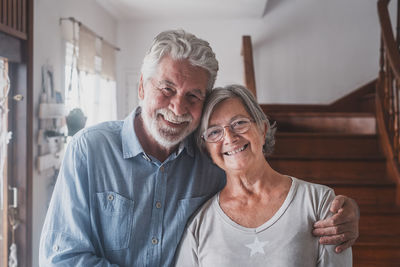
[{"x": 20, "y": 149}]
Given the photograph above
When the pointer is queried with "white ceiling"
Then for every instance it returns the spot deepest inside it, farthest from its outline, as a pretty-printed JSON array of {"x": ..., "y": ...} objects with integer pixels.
[{"x": 124, "y": 10}]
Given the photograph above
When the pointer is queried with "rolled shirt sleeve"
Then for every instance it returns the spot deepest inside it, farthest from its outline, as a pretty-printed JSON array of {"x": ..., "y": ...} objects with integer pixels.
[
  {"x": 187, "y": 251},
  {"x": 327, "y": 255}
]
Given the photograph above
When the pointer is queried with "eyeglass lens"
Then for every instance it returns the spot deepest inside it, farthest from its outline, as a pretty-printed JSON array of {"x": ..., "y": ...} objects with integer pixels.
[{"x": 215, "y": 133}]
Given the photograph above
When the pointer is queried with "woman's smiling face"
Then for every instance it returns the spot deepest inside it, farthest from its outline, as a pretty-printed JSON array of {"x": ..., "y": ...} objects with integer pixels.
[{"x": 235, "y": 152}]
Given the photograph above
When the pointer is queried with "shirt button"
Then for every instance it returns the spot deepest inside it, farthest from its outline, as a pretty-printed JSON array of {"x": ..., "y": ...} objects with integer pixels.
[
  {"x": 55, "y": 248},
  {"x": 110, "y": 197},
  {"x": 162, "y": 168},
  {"x": 154, "y": 241},
  {"x": 158, "y": 204}
]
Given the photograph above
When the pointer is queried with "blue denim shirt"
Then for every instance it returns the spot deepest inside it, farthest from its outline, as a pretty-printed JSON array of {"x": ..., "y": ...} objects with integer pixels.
[{"x": 113, "y": 205}]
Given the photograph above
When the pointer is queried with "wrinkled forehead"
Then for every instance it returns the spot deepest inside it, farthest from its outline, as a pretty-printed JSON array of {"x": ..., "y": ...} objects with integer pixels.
[
  {"x": 226, "y": 110},
  {"x": 181, "y": 71}
]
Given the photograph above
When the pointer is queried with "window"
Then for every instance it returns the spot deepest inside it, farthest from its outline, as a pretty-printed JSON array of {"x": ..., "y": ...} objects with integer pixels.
[{"x": 86, "y": 85}]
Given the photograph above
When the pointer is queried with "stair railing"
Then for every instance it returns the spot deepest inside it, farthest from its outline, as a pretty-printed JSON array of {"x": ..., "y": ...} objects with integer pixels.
[
  {"x": 388, "y": 86},
  {"x": 13, "y": 18}
]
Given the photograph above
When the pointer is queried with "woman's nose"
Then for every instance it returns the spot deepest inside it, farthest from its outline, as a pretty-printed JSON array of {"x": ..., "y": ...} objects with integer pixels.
[{"x": 229, "y": 135}]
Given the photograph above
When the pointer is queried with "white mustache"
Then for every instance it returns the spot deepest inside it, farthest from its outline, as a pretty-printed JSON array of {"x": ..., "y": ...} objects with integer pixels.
[{"x": 171, "y": 117}]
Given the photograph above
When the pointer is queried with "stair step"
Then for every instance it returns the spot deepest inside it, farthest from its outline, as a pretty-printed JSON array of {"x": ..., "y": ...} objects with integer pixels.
[
  {"x": 379, "y": 263},
  {"x": 370, "y": 95},
  {"x": 379, "y": 225},
  {"x": 376, "y": 256},
  {"x": 364, "y": 192},
  {"x": 334, "y": 122},
  {"x": 376, "y": 250},
  {"x": 342, "y": 151},
  {"x": 370, "y": 195},
  {"x": 349, "y": 182},
  {"x": 319, "y": 114},
  {"x": 387, "y": 209},
  {"x": 371, "y": 241},
  {"x": 375, "y": 263},
  {"x": 323, "y": 169},
  {"x": 326, "y": 145},
  {"x": 378, "y": 246}
]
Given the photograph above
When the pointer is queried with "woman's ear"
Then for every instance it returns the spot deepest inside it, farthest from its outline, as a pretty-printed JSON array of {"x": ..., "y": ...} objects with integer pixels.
[
  {"x": 141, "y": 88},
  {"x": 265, "y": 130},
  {"x": 265, "y": 137}
]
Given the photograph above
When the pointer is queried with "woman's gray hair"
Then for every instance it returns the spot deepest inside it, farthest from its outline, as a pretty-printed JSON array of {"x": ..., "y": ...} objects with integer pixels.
[
  {"x": 179, "y": 44},
  {"x": 252, "y": 107}
]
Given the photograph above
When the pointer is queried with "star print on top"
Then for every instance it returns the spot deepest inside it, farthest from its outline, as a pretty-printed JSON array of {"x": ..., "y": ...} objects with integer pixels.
[
  {"x": 256, "y": 247},
  {"x": 286, "y": 240}
]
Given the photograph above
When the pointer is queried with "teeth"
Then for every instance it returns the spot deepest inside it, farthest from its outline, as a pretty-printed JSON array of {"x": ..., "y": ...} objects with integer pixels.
[
  {"x": 171, "y": 117},
  {"x": 236, "y": 151},
  {"x": 175, "y": 119}
]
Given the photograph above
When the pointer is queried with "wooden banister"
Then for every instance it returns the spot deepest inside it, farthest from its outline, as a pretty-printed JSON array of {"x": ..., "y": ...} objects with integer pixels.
[
  {"x": 13, "y": 18},
  {"x": 247, "y": 53},
  {"x": 387, "y": 97},
  {"x": 388, "y": 38}
]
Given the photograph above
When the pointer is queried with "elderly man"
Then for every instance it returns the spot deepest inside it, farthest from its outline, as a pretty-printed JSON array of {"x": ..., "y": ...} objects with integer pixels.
[{"x": 127, "y": 188}]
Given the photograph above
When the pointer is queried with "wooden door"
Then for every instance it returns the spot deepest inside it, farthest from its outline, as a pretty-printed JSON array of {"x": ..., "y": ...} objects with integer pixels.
[
  {"x": 14, "y": 208},
  {"x": 18, "y": 156},
  {"x": 16, "y": 44},
  {"x": 4, "y": 90}
]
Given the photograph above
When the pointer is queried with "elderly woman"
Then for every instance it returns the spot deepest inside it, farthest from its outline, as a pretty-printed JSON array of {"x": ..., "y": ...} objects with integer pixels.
[{"x": 261, "y": 217}]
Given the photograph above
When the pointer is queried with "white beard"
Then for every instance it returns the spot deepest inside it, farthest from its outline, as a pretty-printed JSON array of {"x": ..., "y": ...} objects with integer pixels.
[{"x": 164, "y": 135}]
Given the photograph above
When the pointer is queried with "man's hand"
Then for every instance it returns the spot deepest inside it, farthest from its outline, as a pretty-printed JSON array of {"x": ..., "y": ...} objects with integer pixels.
[{"x": 342, "y": 228}]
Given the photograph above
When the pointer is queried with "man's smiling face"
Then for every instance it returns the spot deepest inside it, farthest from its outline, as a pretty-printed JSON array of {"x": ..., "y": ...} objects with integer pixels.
[{"x": 172, "y": 100}]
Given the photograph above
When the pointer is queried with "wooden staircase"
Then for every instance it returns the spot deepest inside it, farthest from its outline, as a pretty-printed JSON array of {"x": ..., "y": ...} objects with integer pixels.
[
  {"x": 339, "y": 145},
  {"x": 342, "y": 150}
]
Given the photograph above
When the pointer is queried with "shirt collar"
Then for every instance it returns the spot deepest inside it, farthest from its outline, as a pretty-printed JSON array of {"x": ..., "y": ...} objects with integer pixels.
[
  {"x": 187, "y": 143},
  {"x": 131, "y": 146},
  {"x": 130, "y": 142}
]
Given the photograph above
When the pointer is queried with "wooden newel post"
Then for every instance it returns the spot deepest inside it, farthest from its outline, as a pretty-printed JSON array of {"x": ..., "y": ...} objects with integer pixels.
[
  {"x": 398, "y": 25},
  {"x": 249, "y": 76}
]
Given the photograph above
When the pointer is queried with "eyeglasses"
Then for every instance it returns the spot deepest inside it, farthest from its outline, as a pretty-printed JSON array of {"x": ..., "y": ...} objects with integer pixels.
[{"x": 216, "y": 133}]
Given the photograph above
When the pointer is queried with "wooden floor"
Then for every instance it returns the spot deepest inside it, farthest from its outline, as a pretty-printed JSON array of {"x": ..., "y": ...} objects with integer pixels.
[{"x": 348, "y": 158}]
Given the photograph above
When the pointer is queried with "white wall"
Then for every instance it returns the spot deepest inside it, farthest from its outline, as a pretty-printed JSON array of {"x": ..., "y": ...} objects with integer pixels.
[
  {"x": 307, "y": 51},
  {"x": 48, "y": 49}
]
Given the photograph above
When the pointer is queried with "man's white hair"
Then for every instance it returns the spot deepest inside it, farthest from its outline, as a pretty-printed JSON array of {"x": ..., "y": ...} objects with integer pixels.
[{"x": 180, "y": 45}]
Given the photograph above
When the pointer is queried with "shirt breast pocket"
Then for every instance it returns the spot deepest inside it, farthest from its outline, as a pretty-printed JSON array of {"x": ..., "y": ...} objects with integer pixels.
[{"x": 115, "y": 220}]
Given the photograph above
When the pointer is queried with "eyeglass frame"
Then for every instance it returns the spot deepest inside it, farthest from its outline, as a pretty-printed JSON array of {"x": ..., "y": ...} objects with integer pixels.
[{"x": 248, "y": 120}]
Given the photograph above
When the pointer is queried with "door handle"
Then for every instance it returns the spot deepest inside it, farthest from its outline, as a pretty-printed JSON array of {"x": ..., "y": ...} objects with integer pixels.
[
  {"x": 18, "y": 97},
  {"x": 14, "y": 197}
]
